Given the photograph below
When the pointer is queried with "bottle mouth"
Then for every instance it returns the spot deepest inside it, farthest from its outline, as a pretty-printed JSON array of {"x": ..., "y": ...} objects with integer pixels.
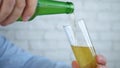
[{"x": 70, "y": 7}]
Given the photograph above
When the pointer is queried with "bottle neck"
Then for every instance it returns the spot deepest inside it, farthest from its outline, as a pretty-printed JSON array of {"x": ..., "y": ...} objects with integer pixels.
[
  {"x": 46, "y": 7},
  {"x": 70, "y": 7}
]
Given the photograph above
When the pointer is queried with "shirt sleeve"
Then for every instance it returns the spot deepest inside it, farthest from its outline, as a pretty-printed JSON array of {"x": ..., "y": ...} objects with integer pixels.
[{"x": 14, "y": 57}]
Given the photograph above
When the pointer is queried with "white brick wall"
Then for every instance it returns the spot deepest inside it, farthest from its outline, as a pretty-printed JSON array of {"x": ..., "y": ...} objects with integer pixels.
[{"x": 45, "y": 35}]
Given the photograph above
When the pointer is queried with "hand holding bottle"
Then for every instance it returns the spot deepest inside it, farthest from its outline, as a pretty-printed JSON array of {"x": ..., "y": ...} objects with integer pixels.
[
  {"x": 11, "y": 10},
  {"x": 101, "y": 61}
]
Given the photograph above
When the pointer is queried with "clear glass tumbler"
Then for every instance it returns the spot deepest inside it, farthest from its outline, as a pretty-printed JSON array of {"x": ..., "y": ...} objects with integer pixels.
[{"x": 81, "y": 44}]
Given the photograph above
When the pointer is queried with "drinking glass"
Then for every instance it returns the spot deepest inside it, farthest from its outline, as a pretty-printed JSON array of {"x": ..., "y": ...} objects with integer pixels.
[{"x": 81, "y": 44}]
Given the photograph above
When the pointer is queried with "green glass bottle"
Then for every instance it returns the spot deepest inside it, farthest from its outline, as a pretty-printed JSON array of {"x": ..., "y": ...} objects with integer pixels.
[{"x": 47, "y": 7}]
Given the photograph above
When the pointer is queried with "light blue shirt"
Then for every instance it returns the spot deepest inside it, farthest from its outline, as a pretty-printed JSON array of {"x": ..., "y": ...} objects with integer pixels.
[{"x": 14, "y": 57}]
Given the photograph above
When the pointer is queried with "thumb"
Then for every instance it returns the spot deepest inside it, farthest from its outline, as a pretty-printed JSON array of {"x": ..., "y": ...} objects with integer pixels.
[
  {"x": 75, "y": 64},
  {"x": 101, "y": 59}
]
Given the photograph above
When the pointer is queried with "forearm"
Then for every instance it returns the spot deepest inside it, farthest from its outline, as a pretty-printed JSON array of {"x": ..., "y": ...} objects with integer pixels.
[
  {"x": 13, "y": 57},
  {"x": 42, "y": 62}
]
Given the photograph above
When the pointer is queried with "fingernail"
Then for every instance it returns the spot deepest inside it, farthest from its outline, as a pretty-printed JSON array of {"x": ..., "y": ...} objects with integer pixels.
[{"x": 26, "y": 18}]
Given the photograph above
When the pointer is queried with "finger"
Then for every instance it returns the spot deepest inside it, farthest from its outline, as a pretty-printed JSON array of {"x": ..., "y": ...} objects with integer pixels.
[
  {"x": 17, "y": 12},
  {"x": 6, "y": 9},
  {"x": 75, "y": 64},
  {"x": 101, "y": 60},
  {"x": 29, "y": 9}
]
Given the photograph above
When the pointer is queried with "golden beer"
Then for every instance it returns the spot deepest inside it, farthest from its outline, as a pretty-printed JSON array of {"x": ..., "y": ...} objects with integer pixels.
[{"x": 84, "y": 56}]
